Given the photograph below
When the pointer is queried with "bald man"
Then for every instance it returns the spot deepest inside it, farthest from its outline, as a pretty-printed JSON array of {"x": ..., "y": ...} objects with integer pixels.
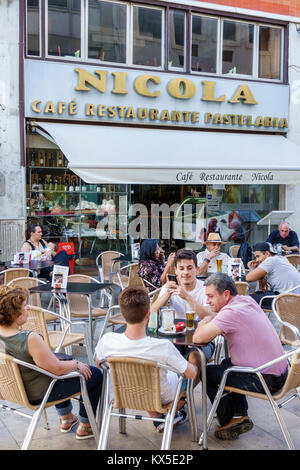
[{"x": 286, "y": 237}]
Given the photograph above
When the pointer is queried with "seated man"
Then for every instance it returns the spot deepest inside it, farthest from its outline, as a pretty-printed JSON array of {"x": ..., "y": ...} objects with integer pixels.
[
  {"x": 275, "y": 273},
  {"x": 186, "y": 294},
  {"x": 252, "y": 340},
  {"x": 135, "y": 307},
  {"x": 207, "y": 259},
  {"x": 284, "y": 236}
]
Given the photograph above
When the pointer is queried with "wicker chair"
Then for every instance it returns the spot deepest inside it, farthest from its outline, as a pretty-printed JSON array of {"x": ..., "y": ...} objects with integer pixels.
[
  {"x": 294, "y": 260},
  {"x": 286, "y": 308},
  {"x": 33, "y": 299},
  {"x": 291, "y": 384},
  {"x": 55, "y": 339},
  {"x": 13, "y": 273},
  {"x": 136, "y": 386},
  {"x": 108, "y": 270},
  {"x": 241, "y": 287},
  {"x": 12, "y": 390},
  {"x": 233, "y": 250}
]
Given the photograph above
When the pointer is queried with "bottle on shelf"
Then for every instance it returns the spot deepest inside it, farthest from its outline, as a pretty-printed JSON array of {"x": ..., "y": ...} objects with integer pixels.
[
  {"x": 77, "y": 187},
  {"x": 70, "y": 186},
  {"x": 41, "y": 158},
  {"x": 65, "y": 183},
  {"x": 33, "y": 157},
  {"x": 83, "y": 187},
  {"x": 55, "y": 185},
  {"x": 60, "y": 160},
  {"x": 46, "y": 183},
  {"x": 51, "y": 183},
  {"x": 40, "y": 183},
  {"x": 35, "y": 182}
]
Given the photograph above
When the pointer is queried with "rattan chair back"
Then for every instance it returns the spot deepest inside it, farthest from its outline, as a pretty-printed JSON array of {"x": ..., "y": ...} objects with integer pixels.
[
  {"x": 13, "y": 273},
  {"x": 27, "y": 283},
  {"x": 36, "y": 322},
  {"x": 294, "y": 260},
  {"x": 134, "y": 280},
  {"x": 241, "y": 287},
  {"x": 287, "y": 307},
  {"x": 136, "y": 384},
  {"x": 233, "y": 250},
  {"x": 11, "y": 383},
  {"x": 78, "y": 303},
  {"x": 107, "y": 258}
]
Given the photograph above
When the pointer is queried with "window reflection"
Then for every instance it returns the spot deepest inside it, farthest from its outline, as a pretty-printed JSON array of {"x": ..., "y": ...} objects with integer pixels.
[
  {"x": 64, "y": 27},
  {"x": 176, "y": 39},
  {"x": 107, "y": 31},
  {"x": 237, "y": 48},
  {"x": 269, "y": 52},
  {"x": 204, "y": 44},
  {"x": 147, "y": 36},
  {"x": 33, "y": 27}
]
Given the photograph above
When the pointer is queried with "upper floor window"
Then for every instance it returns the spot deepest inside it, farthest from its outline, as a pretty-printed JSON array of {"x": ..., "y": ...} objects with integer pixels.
[
  {"x": 64, "y": 28},
  {"x": 147, "y": 36}
]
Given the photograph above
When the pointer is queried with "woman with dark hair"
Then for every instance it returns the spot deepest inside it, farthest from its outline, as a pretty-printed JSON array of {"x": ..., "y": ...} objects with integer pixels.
[
  {"x": 29, "y": 346},
  {"x": 152, "y": 267},
  {"x": 35, "y": 242}
]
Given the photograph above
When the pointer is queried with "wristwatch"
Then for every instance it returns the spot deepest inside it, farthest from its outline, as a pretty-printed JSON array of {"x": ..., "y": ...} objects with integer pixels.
[{"x": 207, "y": 260}]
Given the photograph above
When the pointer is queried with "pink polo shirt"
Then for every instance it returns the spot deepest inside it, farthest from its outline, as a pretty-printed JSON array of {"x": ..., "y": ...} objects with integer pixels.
[{"x": 252, "y": 339}]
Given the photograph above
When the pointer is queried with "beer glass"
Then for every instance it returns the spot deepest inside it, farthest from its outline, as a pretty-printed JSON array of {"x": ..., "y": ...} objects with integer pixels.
[
  {"x": 190, "y": 320},
  {"x": 219, "y": 265}
]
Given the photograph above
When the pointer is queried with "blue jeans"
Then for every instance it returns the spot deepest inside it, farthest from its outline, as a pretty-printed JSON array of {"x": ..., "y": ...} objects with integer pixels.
[
  {"x": 65, "y": 388},
  {"x": 234, "y": 404}
]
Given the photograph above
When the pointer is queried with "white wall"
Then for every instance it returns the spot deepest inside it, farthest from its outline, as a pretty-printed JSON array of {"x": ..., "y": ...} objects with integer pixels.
[{"x": 12, "y": 192}]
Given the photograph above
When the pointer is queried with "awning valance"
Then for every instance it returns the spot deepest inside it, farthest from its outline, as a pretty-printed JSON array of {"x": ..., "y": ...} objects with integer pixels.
[{"x": 111, "y": 154}]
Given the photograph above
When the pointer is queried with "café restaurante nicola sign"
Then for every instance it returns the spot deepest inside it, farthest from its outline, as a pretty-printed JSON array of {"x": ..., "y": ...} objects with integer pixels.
[{"x": 65, "y": 91}]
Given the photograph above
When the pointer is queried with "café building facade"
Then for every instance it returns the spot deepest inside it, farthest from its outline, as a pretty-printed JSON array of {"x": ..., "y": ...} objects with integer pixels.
[{"x": 133, "y": 109}]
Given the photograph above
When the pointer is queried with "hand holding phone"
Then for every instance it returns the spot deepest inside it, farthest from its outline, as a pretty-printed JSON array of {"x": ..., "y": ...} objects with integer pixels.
[{"x": 172, "y": 277}]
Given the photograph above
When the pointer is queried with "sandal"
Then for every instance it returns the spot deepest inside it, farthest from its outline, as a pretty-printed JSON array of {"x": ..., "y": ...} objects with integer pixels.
[
  {"x": 87, "y": 432},
  {"x": 70, "y": 422}
]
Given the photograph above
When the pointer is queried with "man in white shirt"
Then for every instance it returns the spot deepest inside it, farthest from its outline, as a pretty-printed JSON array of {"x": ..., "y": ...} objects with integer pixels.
[
  {"x": 207, "y": 259},
  {"x": 135, "y": 307}
]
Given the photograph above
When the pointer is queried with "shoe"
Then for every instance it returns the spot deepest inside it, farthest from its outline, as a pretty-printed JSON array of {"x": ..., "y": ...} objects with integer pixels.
[
  {"x": 234, "y": 428},
  {"x": 88, "y": 433},
  {"x": 67, "y": 424},
  {"x": 159, "y": 425},
  {"x": 179, "y": 418}
]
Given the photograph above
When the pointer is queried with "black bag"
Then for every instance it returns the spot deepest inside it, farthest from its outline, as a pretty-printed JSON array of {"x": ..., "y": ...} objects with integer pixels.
[{"x": 245, "y": 253}]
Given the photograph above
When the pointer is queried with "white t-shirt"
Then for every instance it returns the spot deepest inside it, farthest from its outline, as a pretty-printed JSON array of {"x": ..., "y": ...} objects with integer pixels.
[
  {"x": 212, "y": 266},
  {"x": 281, "y": 274},
  {"x": 180, "y": 305},
  {"x": 153, "y": 349}
]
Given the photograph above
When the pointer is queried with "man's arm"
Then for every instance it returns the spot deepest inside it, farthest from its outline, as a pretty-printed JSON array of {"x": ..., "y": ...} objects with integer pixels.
[
  {"x": 256, "y": 274},
  {"x": 206, "y": 331},
  {"x": 191, "y": 371},
  {"x": 162, "y": 300}
]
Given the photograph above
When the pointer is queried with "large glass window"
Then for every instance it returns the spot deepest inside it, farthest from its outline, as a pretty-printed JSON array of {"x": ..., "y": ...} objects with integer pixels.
[
  {"x": 107, "y": 31},
  {"x": 204, "y": 44},
  {"x": 64, "y": 27},
  {"x": 147, "y": 36},
  {"x": 33, "y": 27},
  {"x": 176, "y": 39},
  {"x": 269, "y": 52},
  {"x": 237, "y": 53}
]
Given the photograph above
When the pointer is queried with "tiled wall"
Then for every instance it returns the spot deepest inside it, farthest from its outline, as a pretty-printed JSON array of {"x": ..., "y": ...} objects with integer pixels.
[{"x": 281, "y": 7}]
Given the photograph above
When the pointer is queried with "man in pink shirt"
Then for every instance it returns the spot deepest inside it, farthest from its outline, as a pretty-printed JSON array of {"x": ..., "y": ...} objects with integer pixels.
[{"x": 252, "y": 341}]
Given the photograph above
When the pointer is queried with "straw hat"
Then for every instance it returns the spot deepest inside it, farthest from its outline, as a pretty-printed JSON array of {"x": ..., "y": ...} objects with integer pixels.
[{"x": 214, "y": 238}]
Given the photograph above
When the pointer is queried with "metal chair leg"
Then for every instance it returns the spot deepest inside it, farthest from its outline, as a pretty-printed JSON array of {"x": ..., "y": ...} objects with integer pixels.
[{"x": 122, "y": 422}]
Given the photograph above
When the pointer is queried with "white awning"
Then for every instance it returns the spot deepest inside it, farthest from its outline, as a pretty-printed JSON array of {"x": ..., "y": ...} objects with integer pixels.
[{"x": 111, "y": 154}]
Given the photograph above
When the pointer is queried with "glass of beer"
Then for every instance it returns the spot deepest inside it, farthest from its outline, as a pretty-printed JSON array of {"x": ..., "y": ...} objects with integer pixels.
[
  {"x": 190, "y": 320},
  {"x": 219, "y": 265}
]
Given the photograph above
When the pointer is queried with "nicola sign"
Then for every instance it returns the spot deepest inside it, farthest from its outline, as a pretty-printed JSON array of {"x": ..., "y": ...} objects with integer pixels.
[{"x": 85, "y": 93}]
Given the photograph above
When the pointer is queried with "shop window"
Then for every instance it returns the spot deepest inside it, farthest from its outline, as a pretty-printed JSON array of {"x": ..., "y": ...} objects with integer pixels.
[
  {"x": 107, "y": 31},
  {"x": 269, "y": 52},
  {"x": 33, "y": 27},
  {"x": 204, "y": 44},
  {"x": 64, "y": 28},
  {"x": 237, "y": 53},
  {"x": 176, "y": 38},
  {"x": 147, "y": 36}
]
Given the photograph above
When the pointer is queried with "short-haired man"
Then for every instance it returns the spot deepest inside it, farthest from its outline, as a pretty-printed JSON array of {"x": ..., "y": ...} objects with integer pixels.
[
  {"x": 284, "y": 236},
  {"x": 186, "y": 294},
  {"x": 278, "y": 274},
  {"x": 252, "y": 341},
  {"x": 135, "y": 307}
]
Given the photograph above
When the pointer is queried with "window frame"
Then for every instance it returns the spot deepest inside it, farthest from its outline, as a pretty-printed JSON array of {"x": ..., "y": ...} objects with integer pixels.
[
  {"x": 217, "y": 44},
  {"x": 282, "y": 46},
  {"x": 167, "y": 38},
  {"x": 40, "y": 31}
]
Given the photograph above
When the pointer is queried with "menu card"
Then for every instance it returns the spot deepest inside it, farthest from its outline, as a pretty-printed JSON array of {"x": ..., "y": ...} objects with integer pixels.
[
  {"x": 235, "y": 268},
  {"x": 60, "y": 277},
  {"x": 21, "y": 257}
]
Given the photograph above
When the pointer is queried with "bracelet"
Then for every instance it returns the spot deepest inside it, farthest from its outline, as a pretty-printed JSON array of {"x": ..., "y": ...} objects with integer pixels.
[
  {"x": 206, "y": 260},
  {"x": 77, "y": 366}
]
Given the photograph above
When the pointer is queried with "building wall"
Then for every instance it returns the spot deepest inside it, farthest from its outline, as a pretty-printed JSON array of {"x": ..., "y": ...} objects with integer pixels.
[
  {"x": 281, "y": 7},
  {"x": 12, "y": 184}
]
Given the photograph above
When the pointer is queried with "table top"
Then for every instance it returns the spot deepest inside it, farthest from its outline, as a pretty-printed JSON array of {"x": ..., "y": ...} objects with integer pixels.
[
  {"x": 72, "y": 288},
  {"x": 183, "y": 339},
  {"x": 125, "y": 258},
  {"x": 35, "y": 265}
]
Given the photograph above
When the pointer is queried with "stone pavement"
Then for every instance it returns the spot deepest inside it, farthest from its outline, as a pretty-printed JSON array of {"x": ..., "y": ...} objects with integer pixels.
[{"x": 141, "y": 435}]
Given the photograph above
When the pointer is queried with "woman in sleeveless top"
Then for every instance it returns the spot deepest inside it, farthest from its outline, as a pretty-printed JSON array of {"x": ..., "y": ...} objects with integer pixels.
[
  {"x": 152, "y": 267},
  {"x": 29, "y": 346}
]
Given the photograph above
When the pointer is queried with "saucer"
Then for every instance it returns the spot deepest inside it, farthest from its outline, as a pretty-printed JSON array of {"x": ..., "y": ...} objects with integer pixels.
[{"x": 162, "y": 331}]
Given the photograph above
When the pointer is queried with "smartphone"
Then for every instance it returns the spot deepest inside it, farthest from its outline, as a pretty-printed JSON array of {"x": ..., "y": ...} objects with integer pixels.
[{"x": 172, "y": 277}]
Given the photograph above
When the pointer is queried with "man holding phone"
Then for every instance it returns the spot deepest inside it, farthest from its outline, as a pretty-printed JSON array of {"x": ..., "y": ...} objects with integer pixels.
[{"x": 183, "y": 291}]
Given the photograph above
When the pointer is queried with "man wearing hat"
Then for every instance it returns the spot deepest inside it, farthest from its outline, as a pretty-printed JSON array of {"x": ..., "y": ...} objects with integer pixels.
[
  {"x": 279, "y": 274},
  {"x": 207, "y": 259}
]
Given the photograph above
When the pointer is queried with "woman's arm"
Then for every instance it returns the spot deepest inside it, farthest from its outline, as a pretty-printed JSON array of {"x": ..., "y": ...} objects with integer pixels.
[
  {"x": 168, "y": 266},
  {"x": 46, "y": 359},
  {"x": 26, "y": 248}
]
